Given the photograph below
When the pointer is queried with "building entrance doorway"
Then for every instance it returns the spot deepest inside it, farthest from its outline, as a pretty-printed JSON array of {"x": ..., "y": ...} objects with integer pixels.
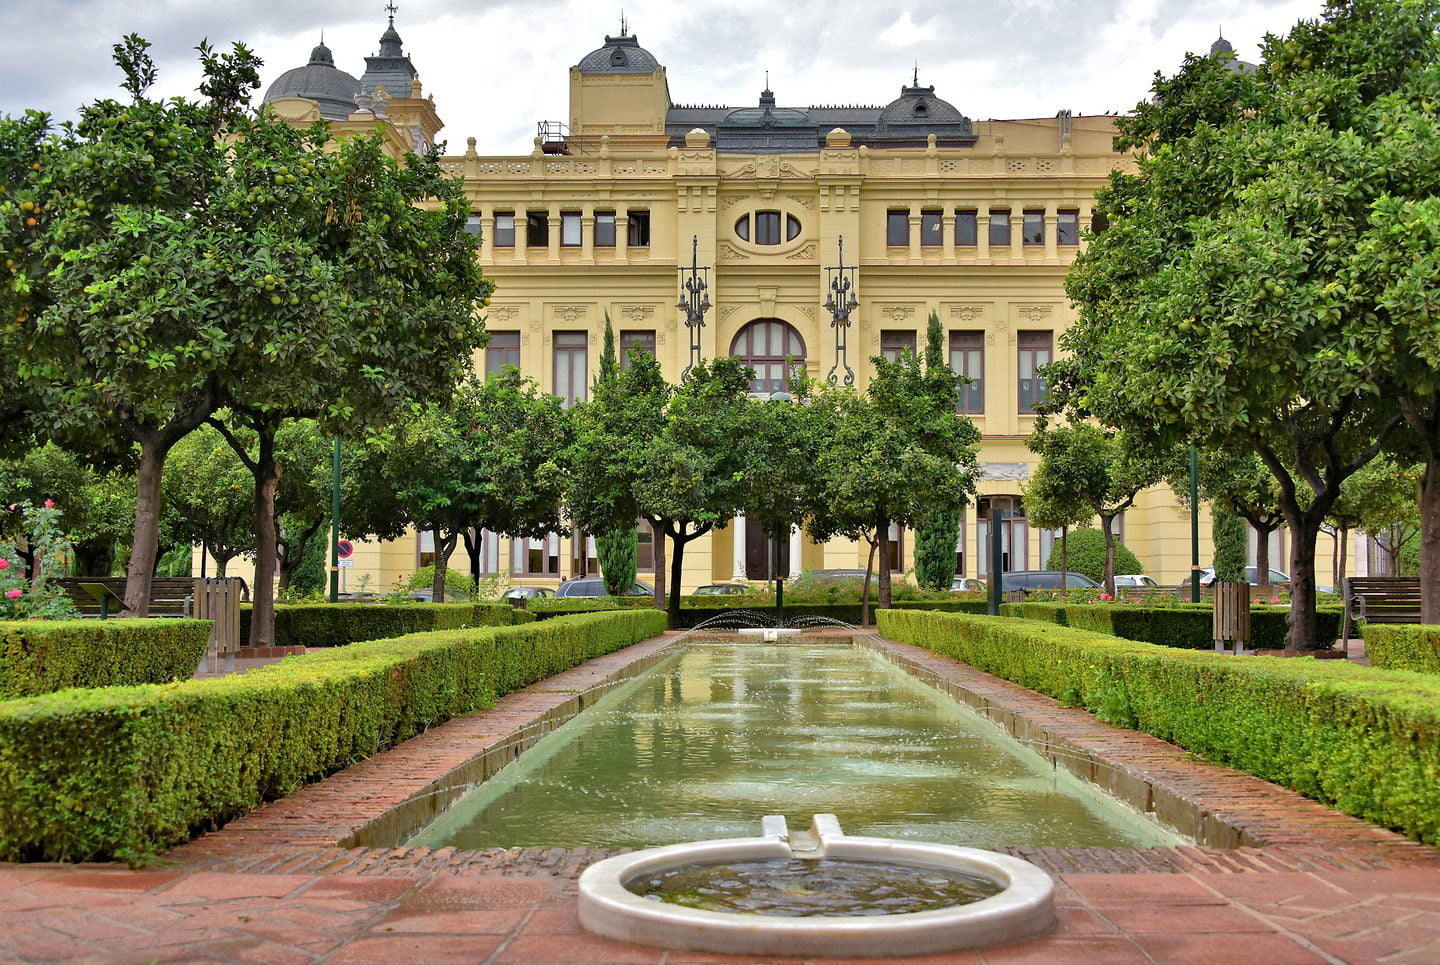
[
  {"x": 1013, "y": 532},
  {"x": 760, "y": 554}
]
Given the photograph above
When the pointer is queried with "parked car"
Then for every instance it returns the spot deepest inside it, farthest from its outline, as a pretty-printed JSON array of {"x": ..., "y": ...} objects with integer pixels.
[
  {"x": 427, "y": 595},
  {"x": 594, "y": 586},
  {"x": 967, "y": 584},
  {"x": 1138, "y": 580},
  {"x": 1207, "y": 578},
  {"x": 722, "y": 589},
  {"x": 526, "y": 592},
  {"x": 835, "y": 576},
  {"x": 1045, "y": 580}
]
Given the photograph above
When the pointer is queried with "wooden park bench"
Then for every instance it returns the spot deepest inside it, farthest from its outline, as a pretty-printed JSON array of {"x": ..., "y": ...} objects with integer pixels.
[
  {"x": 1380, "y": 599},
  {"x": 169, "y": 596}
]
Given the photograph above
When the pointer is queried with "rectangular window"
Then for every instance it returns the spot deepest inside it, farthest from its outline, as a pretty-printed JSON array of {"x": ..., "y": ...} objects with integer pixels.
[
  {"x": 504, "y": 229},
  {"x": 894, "y": 344},
  {"x": 571, "y": 358},
  {"x": 897, "y": 228},
  {"x": 965, "y": 233},
  {"x": 1000, "y": 226},
  {"x": 1099, "y": 223},
  {"x": 967, "y": 358},
  {"x": 1067, "y": 228},
  {"x": 536, "y": 557},
  {"x": 1036, "y": 350},
  {"x": 1034, "y": 230},
  {"x": 570, "y": 229},
  {"x": 636, "y": 341},
  {"x": 473, "y": 225},
  {"x": 604, "y": 229},
  {"x": 503, "y": 349},
  {"x": 425, "y": 548},
  {"x": 767, "y": 227},
  {"x": 644, "y": 547},
  {"x": 930, "y": 235},
  {"x": 638, "y": 233},
  {"x": 537, "y": 229},
  {"x": 895, "y": 549}
]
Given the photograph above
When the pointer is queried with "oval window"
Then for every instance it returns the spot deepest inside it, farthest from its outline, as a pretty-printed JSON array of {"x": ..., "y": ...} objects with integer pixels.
[
  {"x": 766, "y": 226},
  {"x": 742, "y": 228},
  {"x": 792, "y": 227}
]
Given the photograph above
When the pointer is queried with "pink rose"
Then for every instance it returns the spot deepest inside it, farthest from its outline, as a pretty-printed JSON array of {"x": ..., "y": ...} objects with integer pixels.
[
  {"x": 4, "y": 563},
  {"x": 15, "y": 594},
  {"x": 49, "y": 504},
  {"x": 1106, "y": 597},
  {"x": 1274, "y": 600}
]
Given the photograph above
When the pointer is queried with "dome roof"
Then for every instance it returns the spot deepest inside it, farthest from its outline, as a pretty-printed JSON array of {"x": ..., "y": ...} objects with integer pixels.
[
  {"x": 620, "y": 55},
  {"x": 918, "y": 106},
  {"x": 320, "y": 81},
  {"x": 767, "y": 115},
  {"x": 1221, "y": 46}
]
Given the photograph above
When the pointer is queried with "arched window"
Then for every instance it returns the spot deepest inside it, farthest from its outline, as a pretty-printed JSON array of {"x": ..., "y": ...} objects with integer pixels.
[
  {"x": 767, "y": 227},
  {"x": 763, "y": 345}
]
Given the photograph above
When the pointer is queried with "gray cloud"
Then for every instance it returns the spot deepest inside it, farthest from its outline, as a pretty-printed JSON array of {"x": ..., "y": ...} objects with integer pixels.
[{"x": 496, "y": 68}]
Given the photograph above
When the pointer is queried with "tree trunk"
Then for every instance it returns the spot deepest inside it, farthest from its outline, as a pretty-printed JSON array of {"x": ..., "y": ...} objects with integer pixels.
[
  {"x": 1107, "y": 523},
  {"x": 473, "y": 539},
  {"x": 262, "y": 593},
  {"x": 1262, "y": 555},
  {"x": 677, "y": 557},
  {"x": 145, "y": 547},
  {"x": 884, "y": 573},
  {"x": 658, "y": 537},
  {"x": 444, "y": 547},
  {"x": 1344, "y": 538},
  {"x": 221, "y": 563},
  {"x": 1064, "y": 554},
  {"x": 865, "y": 588},
  {"x": 1303, "y": 623},
  {"x": 1430, "y": 542}
]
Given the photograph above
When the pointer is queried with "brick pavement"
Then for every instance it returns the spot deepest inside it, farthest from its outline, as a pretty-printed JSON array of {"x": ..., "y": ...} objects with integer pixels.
[{"x": 297, "y": 884}]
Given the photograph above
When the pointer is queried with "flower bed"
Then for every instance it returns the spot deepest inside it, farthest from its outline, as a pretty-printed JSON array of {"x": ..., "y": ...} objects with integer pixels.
[
  {"x": 42, "y": 656},
  {"x": 128, "y": 772},
  {"x": 1362, "y": 740},
  {"x": 1185, "y": 625},
  {"x": 339, "y": 624},
  {"x": 1403, "y": 646}
]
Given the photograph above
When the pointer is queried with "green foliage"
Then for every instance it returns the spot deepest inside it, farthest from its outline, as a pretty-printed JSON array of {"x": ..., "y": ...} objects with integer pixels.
[
  {"x": 616, "y": 552},
  {"x": 1087, "y": 555},
  {"x": 32, "y": 597},
  {"x": 1398, "y": 646},
  {"x": 210, "y": 498},
  {"x": 307, "y": 572},
  {"x": 935, "y": 541},
  {"x": 339, "y": 624},
  {"x": 456, "y": 581},
  {"x": 178, "y": 560},
  {"x": 1188, "y": 626},
  {"x": 43, "y": 656},
  {"x": 1364, "y": 741},
  {"x": 97, "y": 508},
  {"x": 128, "y": 772},
  {"x": 1227, "y": 532}
]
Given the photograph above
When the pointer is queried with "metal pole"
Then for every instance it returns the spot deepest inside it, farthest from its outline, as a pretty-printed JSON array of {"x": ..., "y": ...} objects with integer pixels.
[
  {"x": 779, "y": 588},
  {"x": 997, "y": 559},
  {"x": 1194, "y": 525},
  {"x": 335, "y": 523}
]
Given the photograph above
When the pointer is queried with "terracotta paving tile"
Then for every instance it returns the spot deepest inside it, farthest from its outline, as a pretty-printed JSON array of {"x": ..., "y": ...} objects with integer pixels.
[
  {"x": 209, "y": 885},
  {"x": 443, "y": 893},
  {"x": 376, "y": 889},
  {"x": 1081, "y": 921},
  {"x": 1091, "y": 951},
  {"x": 1222, "y": 947},
  {"x": 416, "y": 950},
  {"x": 255, "y": 950},
  {"x": 555, "y": 921},
  {"x": 705, "y": 958},
  {"x": 1387, "y": 882},
  {"x": 1284, "y": 886},
  {"x": 1141, "y": 889},
  {"x": 471, "y": 921},
  {"x": 117, "y": 880},
  {"x": 1183, "y": 919},
  {"x": 576, "y": 950},
  {"x": 85, "y": 926},
  {"x": 949, "y": 958},
  {"x": 29, "y": 942}
]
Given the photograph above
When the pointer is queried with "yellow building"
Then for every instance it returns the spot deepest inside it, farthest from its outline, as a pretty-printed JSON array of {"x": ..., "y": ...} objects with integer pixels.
[{"x": 977, "y": 221}]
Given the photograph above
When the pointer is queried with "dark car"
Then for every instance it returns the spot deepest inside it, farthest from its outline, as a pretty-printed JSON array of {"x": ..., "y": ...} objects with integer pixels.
[
  {"x": 594, "y": 586},
  {"x": 1045, "y": 580},
  {"x": 722, "y": 589},
  {"x": 526, "y": 592}
]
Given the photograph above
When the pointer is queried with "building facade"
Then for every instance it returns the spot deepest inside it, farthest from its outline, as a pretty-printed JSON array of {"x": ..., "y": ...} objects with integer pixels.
[{"x": 976, "y": 221}]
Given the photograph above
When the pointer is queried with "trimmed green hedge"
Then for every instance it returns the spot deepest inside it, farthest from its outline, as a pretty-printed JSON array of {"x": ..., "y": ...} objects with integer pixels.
[
  {"x": 1405, "y": 646},
  {"x": 1362, "y": 740},
  {"x": 549, "y": 606},
  {"x": 128, "y": 772},
  {"x": 695, "y": 610},
  {"x": 978, "y": 607},
  {"x": 339, "y": 624},
  {"x": 42, "y": 656},
  {"x": 1185, "y": 625}
]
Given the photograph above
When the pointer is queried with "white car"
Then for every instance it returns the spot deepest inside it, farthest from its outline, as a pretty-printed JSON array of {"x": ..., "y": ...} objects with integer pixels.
[{"x": 1135, "y": 580}]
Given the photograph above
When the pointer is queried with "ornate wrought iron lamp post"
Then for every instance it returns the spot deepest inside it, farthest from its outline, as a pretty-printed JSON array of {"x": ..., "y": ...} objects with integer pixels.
[
  {"x": 694, "y": 301},
  {"x": 840, "y": 302}
]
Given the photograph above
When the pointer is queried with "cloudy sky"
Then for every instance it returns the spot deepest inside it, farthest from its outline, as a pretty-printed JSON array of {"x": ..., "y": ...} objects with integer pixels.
[{"x": 497, "y": 67}]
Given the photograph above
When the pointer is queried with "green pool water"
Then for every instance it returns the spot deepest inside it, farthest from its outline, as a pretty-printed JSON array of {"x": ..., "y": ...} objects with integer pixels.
[{"x": 705, "y": 744}]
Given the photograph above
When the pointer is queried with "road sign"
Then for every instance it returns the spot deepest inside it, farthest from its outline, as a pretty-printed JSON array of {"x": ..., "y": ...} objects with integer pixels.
[
  {"x": 345, "y": 563},
  {"x": 344, "y": 548}
]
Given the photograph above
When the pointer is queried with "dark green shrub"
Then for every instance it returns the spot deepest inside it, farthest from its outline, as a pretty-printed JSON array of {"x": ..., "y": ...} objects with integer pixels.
[
  {"x": 458, "y": 583},
  {"x": 935, "y": 550},
  {"x": 1403, "y": 646},
  {"x": 1188, "y": 626},
  {"x": 1362, "y": 740},
  {"x": 42, "y": 656},
  {"x": 1087, "y": 555},
  {"x": 616, "y": 552},
  {"x": 128, "y": 772},
  {"x": 1227, "y": 530},
  {"x": 338, "y": 624}
]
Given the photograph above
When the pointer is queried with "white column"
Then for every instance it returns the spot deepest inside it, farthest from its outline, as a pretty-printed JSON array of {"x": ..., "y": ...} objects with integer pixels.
[
  {"x": 795, "y": 548},
  {"x": 1360, "y": 555},
  {"x": 738, "y": 554}
]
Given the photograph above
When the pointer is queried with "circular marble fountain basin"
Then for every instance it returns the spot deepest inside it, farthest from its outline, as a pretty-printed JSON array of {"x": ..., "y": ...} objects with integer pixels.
[{"x": 1024, "y": 907}]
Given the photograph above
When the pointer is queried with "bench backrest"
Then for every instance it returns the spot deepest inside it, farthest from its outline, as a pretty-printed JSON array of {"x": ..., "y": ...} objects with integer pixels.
[
  {"x": 1383, "y": 599},
  {"x": 171, "y": 594}
]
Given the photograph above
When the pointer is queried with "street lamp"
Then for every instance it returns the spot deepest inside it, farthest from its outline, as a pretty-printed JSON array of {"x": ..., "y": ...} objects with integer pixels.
[
  {"x": 694, "y": 301},
  {"x": 840, "y": 302}
]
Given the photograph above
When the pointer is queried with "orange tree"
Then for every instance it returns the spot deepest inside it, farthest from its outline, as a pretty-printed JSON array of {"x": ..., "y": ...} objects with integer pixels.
[{"x": 170, "y": 260}]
